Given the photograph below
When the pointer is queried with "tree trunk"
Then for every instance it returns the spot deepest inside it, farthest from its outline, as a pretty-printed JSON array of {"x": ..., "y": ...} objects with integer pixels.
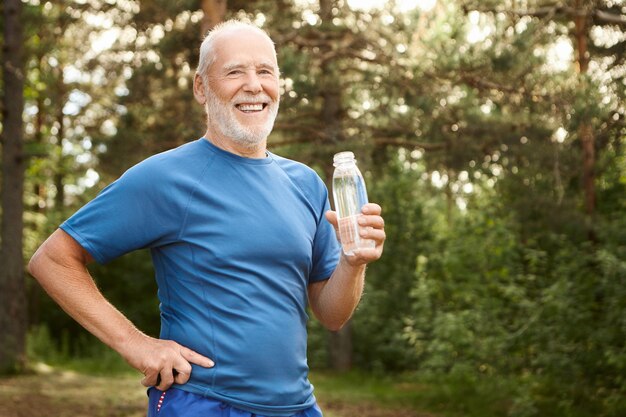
[
  {"x": 585, "y": 130},
  {"x": 39, "y": 188},
  {"x": 12, "y": 291},
  {"x": 587, "y": 138},
  {"x": 214, "y": 12},
  {"x": 340, "y": 348},
  {"x": 59, "y": 175},
  {"x": 340, "y": 342}
]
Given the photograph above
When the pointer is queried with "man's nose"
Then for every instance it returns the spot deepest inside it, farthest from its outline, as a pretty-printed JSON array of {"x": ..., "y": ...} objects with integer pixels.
[{"x": 253, "y": 82}]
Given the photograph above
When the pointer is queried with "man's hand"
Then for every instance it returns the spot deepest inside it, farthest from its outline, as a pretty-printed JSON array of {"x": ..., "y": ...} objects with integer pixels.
[
  {"x": 372, "y": 226},
  {"x": 163, "y": 362}
]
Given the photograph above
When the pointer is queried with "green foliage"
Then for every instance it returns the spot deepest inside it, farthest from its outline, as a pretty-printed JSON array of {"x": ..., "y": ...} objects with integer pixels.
[
  {"x": 79, "y": 353},
  {"x": 128, "y": 282},
  {"x": 486, "y": 303},
  {"x": 378, "y": 323},
  {"x": 446, "y": 395}
]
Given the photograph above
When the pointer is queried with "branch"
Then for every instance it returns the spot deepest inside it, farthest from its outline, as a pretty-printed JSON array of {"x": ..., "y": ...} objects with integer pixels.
[
  {"x": 346, "y": 53},
  {"x": 405, "y": 143},
  {"x": 288, "y": 142},
  {"x": 400, "y": 143},
  {"x": 606, "y": 17},
  {"x": 538, "y": 12},
  {"x": 480, "y": 84},
  {"x": 310, "y": 130},
  {"x": 547, "y": 11},
  {"x": 600, "y": 15}
]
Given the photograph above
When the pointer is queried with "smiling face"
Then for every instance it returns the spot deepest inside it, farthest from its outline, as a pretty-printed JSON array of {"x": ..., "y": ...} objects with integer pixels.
[{"x": 242, "y": 95}]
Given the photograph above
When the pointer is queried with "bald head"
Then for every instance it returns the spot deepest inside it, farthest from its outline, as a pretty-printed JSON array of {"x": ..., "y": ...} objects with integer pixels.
[{"x": 208, "y": 48}]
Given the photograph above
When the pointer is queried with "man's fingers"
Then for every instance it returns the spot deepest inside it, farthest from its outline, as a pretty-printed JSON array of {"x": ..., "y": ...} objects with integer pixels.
[
  {"x": 150, "y": 380},
  {"x": 165, "y": 379},
  {"x": 175, "y": 374},
  {"x": 377, "y": 235},
  {"x": 366, "y": 255},
  {"x": 196, "y": 358},
  {"x": 181, "y": 377},
  {"x": 331, "y": 216},
  {"x": 371, "y": 208},
  {"x": 372, "y": 221}
]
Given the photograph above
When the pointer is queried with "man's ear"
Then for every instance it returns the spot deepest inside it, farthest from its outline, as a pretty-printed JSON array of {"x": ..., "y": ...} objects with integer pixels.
[{"x": 198, "y": 89}]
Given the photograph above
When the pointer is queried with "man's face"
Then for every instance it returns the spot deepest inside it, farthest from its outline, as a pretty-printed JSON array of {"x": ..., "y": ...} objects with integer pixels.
[{"x": 243, "y": 92}]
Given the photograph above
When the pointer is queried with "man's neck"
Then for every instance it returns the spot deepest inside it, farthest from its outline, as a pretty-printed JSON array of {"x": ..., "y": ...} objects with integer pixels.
[{"x": 233, "y": 147}]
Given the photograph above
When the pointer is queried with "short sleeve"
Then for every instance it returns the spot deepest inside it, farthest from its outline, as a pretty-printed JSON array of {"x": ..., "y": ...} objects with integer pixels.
[
  {"x": 133, "y": 212},
  {"x": 326, "y": 249}
]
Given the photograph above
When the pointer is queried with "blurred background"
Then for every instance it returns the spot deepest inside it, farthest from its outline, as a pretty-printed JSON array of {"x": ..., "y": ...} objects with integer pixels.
[{"x": 491, "y": 132}]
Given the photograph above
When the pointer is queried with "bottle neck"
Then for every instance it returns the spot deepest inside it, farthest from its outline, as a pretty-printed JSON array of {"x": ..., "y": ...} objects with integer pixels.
[
  {"x": 344, "y": 164},
  {"x": 343, "y": 159}
]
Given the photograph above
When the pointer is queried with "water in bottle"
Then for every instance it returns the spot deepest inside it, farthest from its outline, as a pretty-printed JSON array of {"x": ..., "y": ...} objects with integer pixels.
[{"x": 350, "y": 195}]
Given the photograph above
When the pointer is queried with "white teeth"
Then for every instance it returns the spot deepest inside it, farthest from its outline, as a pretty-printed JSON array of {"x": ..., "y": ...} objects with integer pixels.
[{"x": 250, "y": 107}]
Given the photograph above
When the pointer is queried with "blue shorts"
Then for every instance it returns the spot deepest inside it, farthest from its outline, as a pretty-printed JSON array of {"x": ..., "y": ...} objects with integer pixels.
[{"x": 178, "y": 403}]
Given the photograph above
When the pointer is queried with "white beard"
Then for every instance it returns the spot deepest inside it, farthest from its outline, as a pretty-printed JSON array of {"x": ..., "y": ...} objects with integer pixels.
[{"x": 225, "y": 120}]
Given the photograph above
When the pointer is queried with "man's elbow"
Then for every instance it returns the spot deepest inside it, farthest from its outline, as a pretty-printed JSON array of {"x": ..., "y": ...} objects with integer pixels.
[
  {"x": 58, "y": 251},
  {"x": 335, "y": 327},
  {"x": 334, "y": 324},
  {"x": 41, "y": 262},
  {"x": 34, "y": 265}
]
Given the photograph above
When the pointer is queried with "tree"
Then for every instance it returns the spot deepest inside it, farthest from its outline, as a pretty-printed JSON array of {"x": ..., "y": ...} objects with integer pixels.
[
  {"x": 213, "y": 13},
  {"x": 579, "y": 17},
  {"x": 69, "y": 100},
  {"x": 12, "y": 292}
]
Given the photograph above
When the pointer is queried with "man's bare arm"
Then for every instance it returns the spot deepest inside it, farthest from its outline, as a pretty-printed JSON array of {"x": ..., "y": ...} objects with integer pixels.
[
  {"x": 60, "y": 266},
  {"x": 334, "y": 300}
]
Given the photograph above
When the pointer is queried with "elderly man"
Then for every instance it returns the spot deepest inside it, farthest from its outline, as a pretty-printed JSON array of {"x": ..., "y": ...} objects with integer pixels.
[{"x": 239, "y": 237}]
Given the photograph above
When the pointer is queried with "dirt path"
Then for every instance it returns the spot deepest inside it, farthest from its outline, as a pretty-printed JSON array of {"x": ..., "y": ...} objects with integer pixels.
[{"x": 68, "y": 394}]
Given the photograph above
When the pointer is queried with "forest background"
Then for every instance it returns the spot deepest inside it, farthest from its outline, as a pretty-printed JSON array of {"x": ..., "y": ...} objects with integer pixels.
[{"x": 491, "y": 132}]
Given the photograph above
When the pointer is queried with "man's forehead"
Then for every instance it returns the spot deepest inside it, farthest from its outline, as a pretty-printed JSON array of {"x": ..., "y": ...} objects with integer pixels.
[
  {"x": 245, "y": 47},
  {"x": 248, "y": 63},
  {"x": 247, "y": 34}
]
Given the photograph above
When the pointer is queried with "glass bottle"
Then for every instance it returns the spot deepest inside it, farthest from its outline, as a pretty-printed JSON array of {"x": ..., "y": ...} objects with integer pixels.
[{"x": 350, "y": 195}]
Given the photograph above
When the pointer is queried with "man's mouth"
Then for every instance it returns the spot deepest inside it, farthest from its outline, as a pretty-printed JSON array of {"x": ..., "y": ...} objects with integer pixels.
[{"x": 251, "y": 107}]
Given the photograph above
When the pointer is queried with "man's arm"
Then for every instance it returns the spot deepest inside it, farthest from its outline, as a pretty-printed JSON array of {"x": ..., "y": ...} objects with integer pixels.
[
  {"x": 60, "y": 266},
  {"x": 334, "y": 300}
]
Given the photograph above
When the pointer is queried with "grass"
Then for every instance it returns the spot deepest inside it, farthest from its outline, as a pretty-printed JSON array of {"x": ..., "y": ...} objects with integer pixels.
[
  {"x": 48, "y": 391},
  {"x": 342, "y": 394},
  {"x": 465, "y": 395},
  {"x": 447, "y": 396},
  {"x": 84, "y": 388},
  {"x": 86, "y": 356}
]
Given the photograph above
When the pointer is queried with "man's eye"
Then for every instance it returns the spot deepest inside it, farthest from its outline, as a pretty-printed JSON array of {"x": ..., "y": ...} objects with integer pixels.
[{"x": 234, "y": 72}]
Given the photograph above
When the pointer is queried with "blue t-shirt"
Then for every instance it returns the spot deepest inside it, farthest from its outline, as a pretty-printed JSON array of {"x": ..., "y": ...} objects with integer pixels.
[{"x": 234, "y": 242}]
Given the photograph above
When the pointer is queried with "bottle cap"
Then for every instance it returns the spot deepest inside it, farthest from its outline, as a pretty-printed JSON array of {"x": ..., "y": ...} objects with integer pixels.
[{"x": 342, "y": 157}]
